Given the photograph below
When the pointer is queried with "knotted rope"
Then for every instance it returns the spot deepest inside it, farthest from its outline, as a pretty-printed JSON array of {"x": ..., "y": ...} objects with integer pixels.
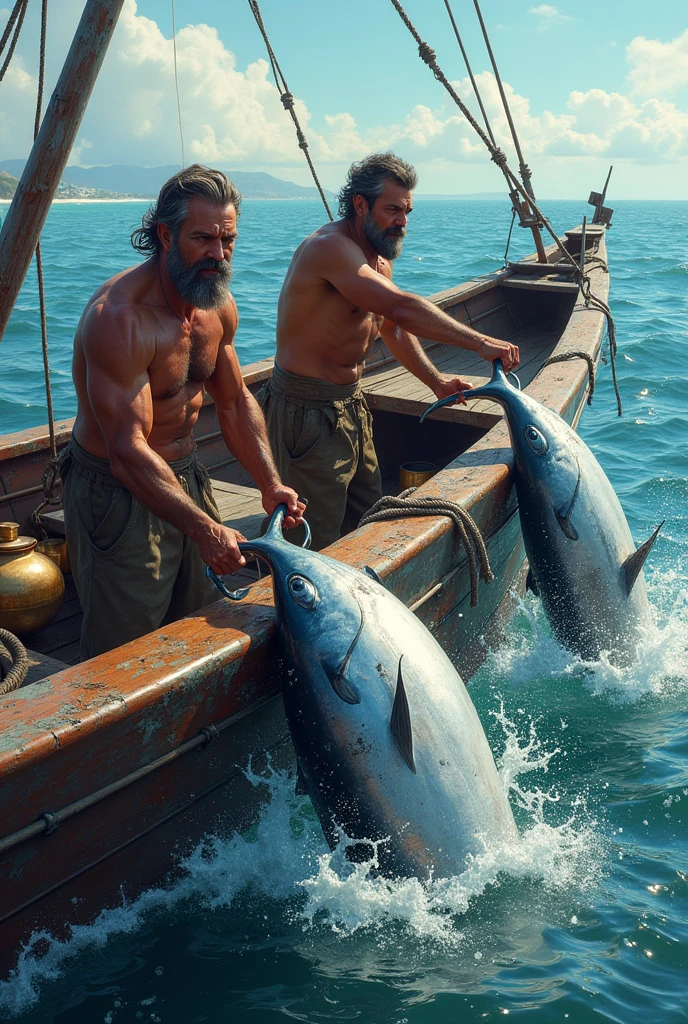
[
  {"x": 405, "y": 507},
  {"x": 287, "y": 100},
  {"x": 428, "y": 56},
  {"x": 13, "y": 650}
]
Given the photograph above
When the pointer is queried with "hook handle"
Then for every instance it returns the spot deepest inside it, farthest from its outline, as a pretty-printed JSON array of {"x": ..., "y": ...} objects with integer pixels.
[{"x": 233, "y": 595}]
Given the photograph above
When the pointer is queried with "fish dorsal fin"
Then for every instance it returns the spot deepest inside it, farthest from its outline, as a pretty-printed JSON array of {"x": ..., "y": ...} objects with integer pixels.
[
  {"x": 400, "y": 722},
  {"x": 631, "y": 568},
  {"x": 345, "y": 690}
]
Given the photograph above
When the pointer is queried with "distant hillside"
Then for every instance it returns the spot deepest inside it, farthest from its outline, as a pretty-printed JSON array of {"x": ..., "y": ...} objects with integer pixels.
[
  {"x": 469, "y": 197},
  {"x": 126, "y": 179},
  {"x": 8, "y": 185}
]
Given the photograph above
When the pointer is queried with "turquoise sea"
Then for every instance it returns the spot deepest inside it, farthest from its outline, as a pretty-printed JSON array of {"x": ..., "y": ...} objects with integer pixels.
[{"x": 587, "y": 920}]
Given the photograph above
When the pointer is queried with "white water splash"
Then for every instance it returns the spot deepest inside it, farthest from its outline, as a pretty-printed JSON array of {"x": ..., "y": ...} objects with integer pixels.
[
  {"x": 661, "y": 666},
  {"x": 284, "y": 860}
]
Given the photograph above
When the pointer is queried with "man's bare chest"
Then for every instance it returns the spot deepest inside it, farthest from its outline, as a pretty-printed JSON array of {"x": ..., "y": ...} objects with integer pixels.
[{"x": 187, "y": 360}]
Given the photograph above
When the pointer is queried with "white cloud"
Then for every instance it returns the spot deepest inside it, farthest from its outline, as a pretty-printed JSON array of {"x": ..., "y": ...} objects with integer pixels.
[
  {"x": 658, "y": 68},
  {"x": 548, "y": 15},
  {"x": 233, "y": 116}
]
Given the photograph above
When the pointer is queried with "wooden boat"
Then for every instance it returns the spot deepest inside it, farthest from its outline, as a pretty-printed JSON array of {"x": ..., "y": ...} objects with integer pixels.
[{"x": 114, "y": 768}]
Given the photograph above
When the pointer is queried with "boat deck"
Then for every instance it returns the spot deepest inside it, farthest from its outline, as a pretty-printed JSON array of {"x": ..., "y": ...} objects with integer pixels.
[
  {"x": 389, "y": 388},
  {"x": 394, "y": 389}
]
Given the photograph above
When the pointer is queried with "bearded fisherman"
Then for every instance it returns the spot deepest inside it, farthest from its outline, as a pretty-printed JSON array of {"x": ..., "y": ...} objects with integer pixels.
[
  {"x": 140, "y": 516},
  {"x": 337, "y": 297}
]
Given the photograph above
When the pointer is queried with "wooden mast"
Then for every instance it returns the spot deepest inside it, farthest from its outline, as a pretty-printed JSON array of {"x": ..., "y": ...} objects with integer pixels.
[{"x": 26, "y": 216}]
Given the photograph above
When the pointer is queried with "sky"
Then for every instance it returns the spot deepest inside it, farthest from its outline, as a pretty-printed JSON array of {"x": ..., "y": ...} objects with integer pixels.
[{"x": 589, "y": 83}]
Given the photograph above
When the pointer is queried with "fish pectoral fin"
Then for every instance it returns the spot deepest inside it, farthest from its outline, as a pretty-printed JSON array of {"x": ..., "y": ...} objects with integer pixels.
[
  {"x": 345, "y": 690},
  {"x": 531, "y": 583},
  {"x": 300, "y": 788},
  {"x": 564, "y": 515},
  {"x": 630, "y": 570},
  {"x": 400, "y": 722},
  {"x": 336, "y": 672},
  {"x": 567, "y": 526}
]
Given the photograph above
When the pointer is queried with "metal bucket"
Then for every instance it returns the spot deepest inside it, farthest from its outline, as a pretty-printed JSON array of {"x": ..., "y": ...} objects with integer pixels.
[{"x": 413, "y": 474}]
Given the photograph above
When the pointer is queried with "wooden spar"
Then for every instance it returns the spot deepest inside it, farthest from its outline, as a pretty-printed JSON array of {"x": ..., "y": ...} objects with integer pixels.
[{"x": 26, "y": 216}]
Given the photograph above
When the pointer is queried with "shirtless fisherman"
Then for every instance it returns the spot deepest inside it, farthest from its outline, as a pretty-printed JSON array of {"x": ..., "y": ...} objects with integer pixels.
[
  {"x": 140, "y": 517},
  {"x": 336, "y": 298}
]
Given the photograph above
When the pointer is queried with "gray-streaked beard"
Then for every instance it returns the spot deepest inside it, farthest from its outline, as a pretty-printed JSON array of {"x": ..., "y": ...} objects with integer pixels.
[
  {"x": 388, "y": 246},
  {"x": 201, "y": 292}
]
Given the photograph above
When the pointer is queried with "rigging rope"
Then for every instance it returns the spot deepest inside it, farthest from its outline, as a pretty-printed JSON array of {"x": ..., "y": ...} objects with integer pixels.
[
  {"x": 428, "y": 56},
  {"x": 526, "y": 173},
  {"x": 52, "y": 489},
  {"x": 470, "y": 73},
  {"x": 404, "y": 506},
  {"x": 287, "y": 100},
  {"x": 176, "y": 84},
  {"x": 17, "y": 15}
]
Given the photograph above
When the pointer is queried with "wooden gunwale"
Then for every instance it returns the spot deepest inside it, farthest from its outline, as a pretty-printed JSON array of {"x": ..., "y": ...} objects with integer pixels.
[{"x": 89, "y": 725}]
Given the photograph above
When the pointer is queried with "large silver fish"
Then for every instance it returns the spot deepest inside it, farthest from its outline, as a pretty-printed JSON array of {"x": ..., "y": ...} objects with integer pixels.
[
  {"x": 389, "y": 745},
  {"x": 583, "y": 562}
]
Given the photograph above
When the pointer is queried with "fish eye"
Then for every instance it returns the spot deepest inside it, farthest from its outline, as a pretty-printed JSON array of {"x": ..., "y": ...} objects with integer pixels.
[
  {"x": 536, "y": 440},
  {"x": 303, "y": 591}
]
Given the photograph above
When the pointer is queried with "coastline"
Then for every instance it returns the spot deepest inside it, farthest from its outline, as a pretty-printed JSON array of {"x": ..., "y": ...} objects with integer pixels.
[
  {"x": 6, "y": 202},
  {"x": 151, "y": 199}
]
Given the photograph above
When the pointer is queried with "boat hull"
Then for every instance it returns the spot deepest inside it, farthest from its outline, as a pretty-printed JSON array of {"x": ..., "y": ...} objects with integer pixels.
[{"x": 90, "y": 726}]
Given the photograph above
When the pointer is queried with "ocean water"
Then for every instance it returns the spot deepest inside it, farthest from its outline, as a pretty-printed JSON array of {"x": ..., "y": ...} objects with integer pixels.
[{"x": 584, "y": 921}]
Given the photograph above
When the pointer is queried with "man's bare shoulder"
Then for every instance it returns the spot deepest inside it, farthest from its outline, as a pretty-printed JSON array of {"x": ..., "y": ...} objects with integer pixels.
[
  {"x": 229, "y": 318},
  {"x": 119, "y": 315},
  {"x": 328, "y": 246}
]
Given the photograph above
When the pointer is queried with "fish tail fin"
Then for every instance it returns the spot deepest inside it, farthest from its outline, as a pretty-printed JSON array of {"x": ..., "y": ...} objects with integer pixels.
[{"x": 630, "y": 570}]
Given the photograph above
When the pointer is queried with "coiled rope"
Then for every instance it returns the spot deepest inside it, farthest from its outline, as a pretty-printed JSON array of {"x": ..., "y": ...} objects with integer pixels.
[
  {"x": 403, "y": 507},
  {"x": 12, "y": 650},
  {"x": 287, "y": 100}
]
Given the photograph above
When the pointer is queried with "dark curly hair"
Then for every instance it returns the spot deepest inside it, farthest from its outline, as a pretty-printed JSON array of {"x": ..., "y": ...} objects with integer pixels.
[
  {"x": 172, "y": 207},
  {"x": 367, "y": 178}
]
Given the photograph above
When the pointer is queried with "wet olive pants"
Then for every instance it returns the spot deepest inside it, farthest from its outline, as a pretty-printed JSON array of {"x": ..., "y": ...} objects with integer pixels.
[
  {"x": 133, "y": 571},
  {"x": 322, "y": 441}
]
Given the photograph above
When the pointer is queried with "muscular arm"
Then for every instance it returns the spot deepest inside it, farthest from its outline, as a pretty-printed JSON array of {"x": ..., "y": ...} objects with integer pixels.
[
  {"x": 243, "y": 428},
  {"x": 350, "y": 274},
  {"x": 410, "y": 353},
  {"x": 117, "y": 360}
]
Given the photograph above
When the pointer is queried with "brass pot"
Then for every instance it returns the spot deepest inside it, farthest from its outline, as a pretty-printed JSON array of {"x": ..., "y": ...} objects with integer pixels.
[
  {"x": 31, "y": 584},
  {"x": 413, "y": 474}
]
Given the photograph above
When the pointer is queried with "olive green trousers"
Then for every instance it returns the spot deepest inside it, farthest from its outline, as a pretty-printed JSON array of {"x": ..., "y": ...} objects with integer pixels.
[
  {"x": 321, "y": 436},
  {"x": 133, "y": 571}
]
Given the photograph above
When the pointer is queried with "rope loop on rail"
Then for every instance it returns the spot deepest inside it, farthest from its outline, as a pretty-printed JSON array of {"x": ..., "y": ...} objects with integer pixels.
[
  {"x": 12, "y": 650},
  {"x": 404, "y": 506},
  {"x": 565, "y": 357}
]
